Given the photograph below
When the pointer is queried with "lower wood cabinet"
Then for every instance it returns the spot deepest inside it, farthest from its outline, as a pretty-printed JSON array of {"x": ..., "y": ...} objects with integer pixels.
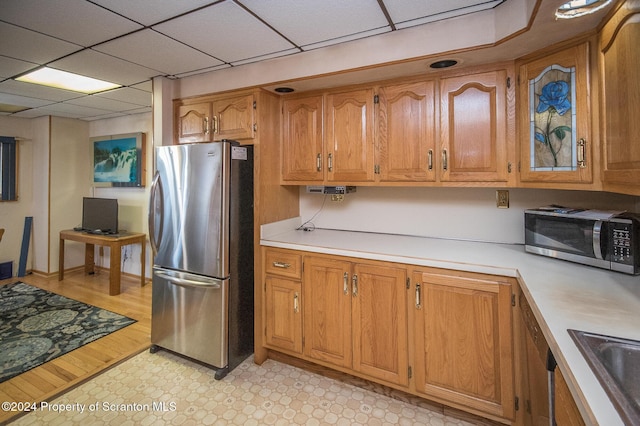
[
  {"x": 355, "y": 316},
  {"x": 463, "y": 344},
  {"x": 443, "y": 335},
  {"x": 283, "y": 300}
]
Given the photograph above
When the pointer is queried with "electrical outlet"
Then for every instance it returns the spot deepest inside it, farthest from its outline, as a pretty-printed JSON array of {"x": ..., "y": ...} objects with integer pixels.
[
  {"x": 337, "y": 197},
  {"x": 502, "y": 199}
]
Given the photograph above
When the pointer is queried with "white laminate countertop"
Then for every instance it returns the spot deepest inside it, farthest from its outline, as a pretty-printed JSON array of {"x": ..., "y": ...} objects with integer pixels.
[{"x": 562, "y": 295}]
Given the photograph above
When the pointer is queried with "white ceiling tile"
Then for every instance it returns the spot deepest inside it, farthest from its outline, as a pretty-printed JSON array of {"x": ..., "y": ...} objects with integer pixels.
[
  {"x": 153, "y": 50},
  {"x": 150, "y": 12},
  {"x": 7, "y": 98},
  {"x": 10, "y": 67},
  {"x": 147, "y": 86},
  {"x": 345, "y": 38},
  {"x": 225, "y": 31},
  {"x": 37, "y": 91},
  {"x": 89, "y": 24},
  {"x": 69, "y": 110},
  {"x": 128, "y": 95},
  {"x": 92, "y": 101},
  {"x": 407, "y": 13},
  {"x": 30, "y": 46},
  {"x": 268, "y": 56},
  {"x": 105, "y": 67},
  {"x": 202, "y": 71},
  {"x": 310, "y": 22}
]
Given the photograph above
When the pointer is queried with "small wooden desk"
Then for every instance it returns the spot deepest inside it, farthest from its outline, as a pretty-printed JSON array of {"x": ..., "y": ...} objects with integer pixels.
[{"x": 114, "y": 243}]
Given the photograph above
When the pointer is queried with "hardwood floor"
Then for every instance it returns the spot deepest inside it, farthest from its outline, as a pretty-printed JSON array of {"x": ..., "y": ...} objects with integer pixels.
[{"x": 67, "y": 371}]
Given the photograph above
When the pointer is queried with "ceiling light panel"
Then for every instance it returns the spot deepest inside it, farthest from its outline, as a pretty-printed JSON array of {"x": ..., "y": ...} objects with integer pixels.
[
  {"x": 308, "y": 23},
  {"x": 225, "y": 31},
  {"x": 409, "y": 13},
  {"x": 142, "y": 47},
  {"x": 30, "y": 46},
  {"x": 65, "y": 80},
  {"x": 90, "y": 24}
]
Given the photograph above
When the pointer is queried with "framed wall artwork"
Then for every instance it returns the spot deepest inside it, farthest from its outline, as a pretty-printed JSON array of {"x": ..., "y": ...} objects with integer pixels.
[{"x": 119, "y": 160}]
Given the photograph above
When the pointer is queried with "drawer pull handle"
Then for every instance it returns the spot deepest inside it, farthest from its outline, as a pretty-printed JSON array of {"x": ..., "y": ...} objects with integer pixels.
[{"x": 281, "y": 265}]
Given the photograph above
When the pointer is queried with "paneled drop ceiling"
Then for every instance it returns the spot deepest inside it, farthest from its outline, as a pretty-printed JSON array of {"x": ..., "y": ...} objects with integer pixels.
[{"x": 129, "y": 42}]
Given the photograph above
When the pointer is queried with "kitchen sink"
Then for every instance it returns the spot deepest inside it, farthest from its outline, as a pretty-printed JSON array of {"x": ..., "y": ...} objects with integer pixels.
[{"x": 616, "y": 364}]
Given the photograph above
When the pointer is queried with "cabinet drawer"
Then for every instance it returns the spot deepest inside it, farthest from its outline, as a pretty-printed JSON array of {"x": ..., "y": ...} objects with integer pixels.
[{"x": 283, "y": 263}]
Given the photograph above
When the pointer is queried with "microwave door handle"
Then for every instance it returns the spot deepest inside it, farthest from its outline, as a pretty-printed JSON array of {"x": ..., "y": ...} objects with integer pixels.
[{"x": 597, "y": 238}]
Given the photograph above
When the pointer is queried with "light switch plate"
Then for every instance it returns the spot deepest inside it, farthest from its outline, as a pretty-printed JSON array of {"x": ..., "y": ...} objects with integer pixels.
[{"x": 502, "y": 199}]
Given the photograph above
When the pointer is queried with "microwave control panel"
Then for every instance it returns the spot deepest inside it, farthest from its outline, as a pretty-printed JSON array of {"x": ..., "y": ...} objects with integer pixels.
[{"x": 621, "y": 239}]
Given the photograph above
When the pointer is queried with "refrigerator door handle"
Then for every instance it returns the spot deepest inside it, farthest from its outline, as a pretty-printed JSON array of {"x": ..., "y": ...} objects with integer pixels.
[
  {"x": 156, "y": 185},
  {"x": 186, "y": 282}
]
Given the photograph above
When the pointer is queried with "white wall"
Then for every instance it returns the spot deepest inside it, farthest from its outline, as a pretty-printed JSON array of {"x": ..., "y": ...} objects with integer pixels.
[
  {"x": 460, "y": 213},
  {"x": 12, "y": 213},
  {"x": 54, "y": 174},
  {"x": 133, "y": 203}
]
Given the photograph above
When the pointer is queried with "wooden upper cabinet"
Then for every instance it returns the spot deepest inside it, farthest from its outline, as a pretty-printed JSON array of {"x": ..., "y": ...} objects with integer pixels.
[
  {"x": 349, "y": 136},
  {"x": 192, "y": 122},
  {"x": 554, "y": 118},
  {"x": 473, "y": 128},
  {"x": 303, "y": 156},
  {"x": 406, "y": 132},
  {"x": 620, "y": 58},
  {"x": 463, "y": 337},
  {"x": 234, "y": 118},
  {"x": 211, "y": 119}
]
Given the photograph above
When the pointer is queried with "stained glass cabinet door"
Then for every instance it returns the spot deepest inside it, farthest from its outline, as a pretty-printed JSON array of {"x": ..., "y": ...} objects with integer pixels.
[{"x": 554, "y": 118}]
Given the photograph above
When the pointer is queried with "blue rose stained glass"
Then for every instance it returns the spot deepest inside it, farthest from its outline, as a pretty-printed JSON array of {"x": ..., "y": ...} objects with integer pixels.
[{"x": 552, "y": 100}]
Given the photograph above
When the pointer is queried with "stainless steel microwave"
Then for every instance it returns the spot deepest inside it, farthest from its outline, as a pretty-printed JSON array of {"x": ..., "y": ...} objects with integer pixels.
[{"x": 604, "y": 239}]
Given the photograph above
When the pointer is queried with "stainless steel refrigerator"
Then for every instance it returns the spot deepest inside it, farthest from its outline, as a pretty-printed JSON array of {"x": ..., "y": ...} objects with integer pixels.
[{"x": 201, "y": 232}]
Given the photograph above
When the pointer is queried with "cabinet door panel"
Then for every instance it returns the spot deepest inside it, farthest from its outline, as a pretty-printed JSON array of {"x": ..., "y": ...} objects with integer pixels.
[
  {"x": 551, "y": 129},
  {"x": 234, "y": 118},
  {"x": 406, "y": 132},
  {"x": 283, "y": 314},
  {"x": 327, "y": 310},
  {"x": 622, "y": 106},
  {"x": 379, "y": 318},
  {"x": 463, "y": 341},
  {"x": 349, "y": 136},
  {"x": 473, "y": 128},
  {"x": 193, "y": 123},
  {"x": 302, "y": 144}
]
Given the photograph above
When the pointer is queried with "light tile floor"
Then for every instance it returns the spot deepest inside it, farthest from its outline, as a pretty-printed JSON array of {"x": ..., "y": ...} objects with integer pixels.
[{"x": 164, "y": 389}]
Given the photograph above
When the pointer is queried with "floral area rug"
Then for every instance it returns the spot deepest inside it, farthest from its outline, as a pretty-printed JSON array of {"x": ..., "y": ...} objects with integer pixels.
[{"x": 37, "y": 326}]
